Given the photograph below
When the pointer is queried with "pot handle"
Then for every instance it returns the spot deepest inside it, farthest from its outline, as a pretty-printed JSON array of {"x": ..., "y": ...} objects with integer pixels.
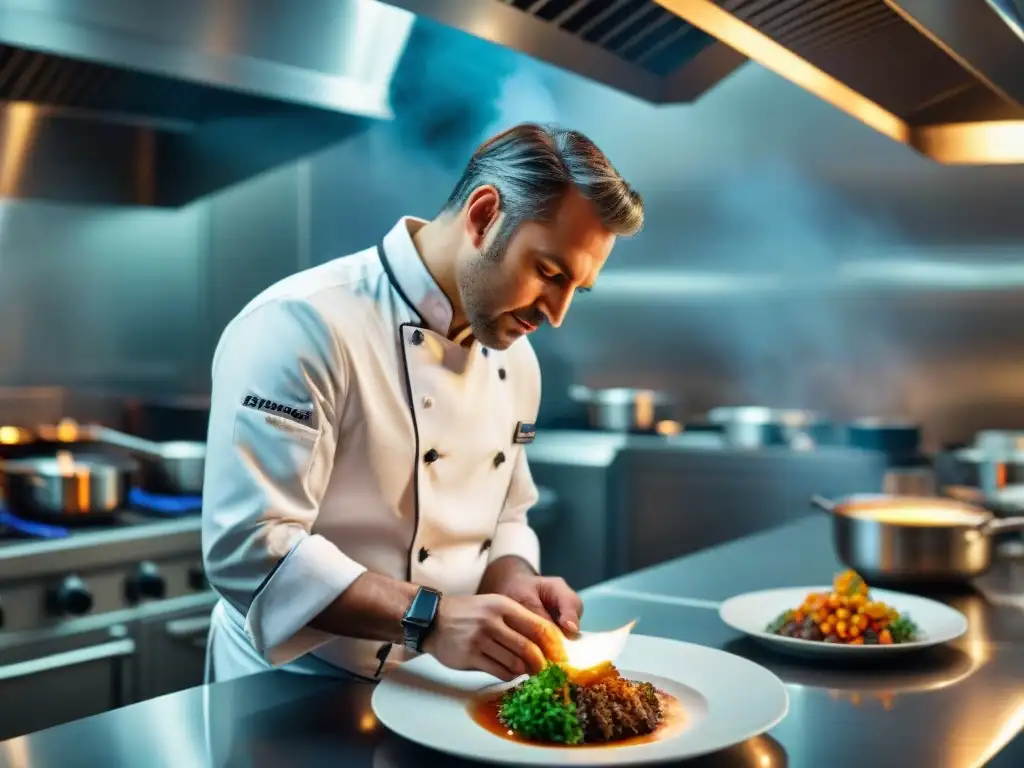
[
  {"x": 822, "y": 503},
  {"x": 1003, "y": 525},
  {"x": 128, "y": 442}
]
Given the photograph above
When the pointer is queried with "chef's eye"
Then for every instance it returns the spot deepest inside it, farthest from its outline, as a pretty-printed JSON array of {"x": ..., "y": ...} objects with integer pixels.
[{"x": 547, "y": 273}]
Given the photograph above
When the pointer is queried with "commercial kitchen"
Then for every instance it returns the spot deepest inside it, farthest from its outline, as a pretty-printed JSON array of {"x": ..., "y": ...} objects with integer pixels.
[{"x": 824, "y": 302}]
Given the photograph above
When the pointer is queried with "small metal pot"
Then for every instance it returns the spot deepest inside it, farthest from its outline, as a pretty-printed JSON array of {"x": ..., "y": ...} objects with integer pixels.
[
  {"x": 621, "y": 409},
  {"x": 64, "y": 487},
  {"x": 757, "y": 427},
  {"x": 909, "y": 539},
  {"x": 989, "y": 472},
  {"x": 897, "y": 440},
  {"x": 909, "y": 472},
  {"x": 174, "y": 468}
]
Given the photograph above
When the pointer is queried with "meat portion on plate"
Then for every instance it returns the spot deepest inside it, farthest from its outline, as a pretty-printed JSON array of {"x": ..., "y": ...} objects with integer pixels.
[
  {"x": 615, "y": 709},
  {"x": 572, "y": 707}
]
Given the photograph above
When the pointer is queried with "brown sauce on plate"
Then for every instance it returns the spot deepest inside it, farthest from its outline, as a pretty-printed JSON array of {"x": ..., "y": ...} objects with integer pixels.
[{"x": 484, "y": 711}]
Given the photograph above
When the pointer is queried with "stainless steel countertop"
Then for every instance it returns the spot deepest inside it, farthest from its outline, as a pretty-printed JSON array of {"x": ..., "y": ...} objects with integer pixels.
[{"x": 955, "y": 707}]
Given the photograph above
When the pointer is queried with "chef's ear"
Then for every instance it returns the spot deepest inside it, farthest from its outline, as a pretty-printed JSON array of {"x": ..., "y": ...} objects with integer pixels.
[{"x": 482, "y": 211}]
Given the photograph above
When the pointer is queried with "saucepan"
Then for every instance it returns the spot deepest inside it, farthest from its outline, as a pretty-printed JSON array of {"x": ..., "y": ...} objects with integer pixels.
[
  {"x": 64, "y": 487},
  {"x": 756, "y": 427},
  {"x": 621, "y": 409},
  {"x": 174, "y": 468},
  {"x": 986, "y": 472},
  {"x": 914, "y": 539}
]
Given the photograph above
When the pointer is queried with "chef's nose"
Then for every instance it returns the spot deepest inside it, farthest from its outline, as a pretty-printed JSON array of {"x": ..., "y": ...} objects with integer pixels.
[{"x": 556, "y": 304}]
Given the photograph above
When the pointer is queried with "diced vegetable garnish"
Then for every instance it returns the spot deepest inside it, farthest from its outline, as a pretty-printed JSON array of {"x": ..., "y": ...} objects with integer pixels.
[{"x": 848, "y": 615}]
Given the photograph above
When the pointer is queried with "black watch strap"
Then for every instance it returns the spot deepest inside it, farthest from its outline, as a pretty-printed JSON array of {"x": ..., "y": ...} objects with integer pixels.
[{"x": 419, "y": 618}]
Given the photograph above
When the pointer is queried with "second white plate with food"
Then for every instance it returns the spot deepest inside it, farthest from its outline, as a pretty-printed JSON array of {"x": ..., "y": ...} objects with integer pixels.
[
  {"x": 812, "y": 622},
  {"x": 708, "y": 700}
]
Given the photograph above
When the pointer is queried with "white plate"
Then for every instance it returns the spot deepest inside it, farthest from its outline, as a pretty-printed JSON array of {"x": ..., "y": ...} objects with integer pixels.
[
  {"x": 750, "y": 613},
  {"x": 725, "y": 698}
]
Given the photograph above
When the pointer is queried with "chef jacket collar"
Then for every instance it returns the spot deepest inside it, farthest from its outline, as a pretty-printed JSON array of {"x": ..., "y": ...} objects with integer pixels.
[{"x": 412, "y": 279}]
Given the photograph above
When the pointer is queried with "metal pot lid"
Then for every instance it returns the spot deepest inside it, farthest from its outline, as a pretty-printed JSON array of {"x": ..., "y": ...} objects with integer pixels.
[
  {"x": 183, "y": 450},
  {"x": 981, "y": 456},
  {"x": 999, "y": 442},
  {"x": 876, "y": 422},
  {"x": 619, "y": 395},
  {"x": 67, "y": 464},
  {"x": 755, "y": 414}
]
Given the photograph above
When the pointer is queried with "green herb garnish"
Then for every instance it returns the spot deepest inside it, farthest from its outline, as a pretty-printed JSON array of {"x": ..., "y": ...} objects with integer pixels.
[
  {"x": 780, "y": 621},
  {"x": 903, "y": 630},
  {"x": 542, "y": 708}
]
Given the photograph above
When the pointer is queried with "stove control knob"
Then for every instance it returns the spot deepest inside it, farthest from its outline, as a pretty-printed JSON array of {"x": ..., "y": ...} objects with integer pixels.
[
  {"x": 70, "y": 597},
  {"x": 197, "y": 579},
  {"x": 145, "y": 583}
]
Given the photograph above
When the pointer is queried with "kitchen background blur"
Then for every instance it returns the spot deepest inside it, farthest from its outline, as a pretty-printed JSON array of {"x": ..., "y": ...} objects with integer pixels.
[{"x": 793, "y": 257}]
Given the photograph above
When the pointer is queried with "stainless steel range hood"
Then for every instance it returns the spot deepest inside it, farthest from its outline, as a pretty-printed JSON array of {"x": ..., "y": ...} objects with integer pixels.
[
  {"x": 634, "y": 46},
  {"x": 946, "y": 77},
  {"x": 164, "y": 101}
]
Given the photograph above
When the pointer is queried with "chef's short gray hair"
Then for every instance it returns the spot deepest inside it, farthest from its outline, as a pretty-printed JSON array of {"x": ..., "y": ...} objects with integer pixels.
[{"x": 534, "y": 166}]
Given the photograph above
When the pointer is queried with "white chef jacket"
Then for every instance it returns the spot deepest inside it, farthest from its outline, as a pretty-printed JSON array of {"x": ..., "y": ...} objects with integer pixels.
[{"x": 348, "y": 433}]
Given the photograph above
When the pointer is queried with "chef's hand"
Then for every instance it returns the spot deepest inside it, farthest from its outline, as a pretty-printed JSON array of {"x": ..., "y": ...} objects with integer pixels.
[
  {"x": 493, "y": 634},
  {"x": 547, "y": 596}
]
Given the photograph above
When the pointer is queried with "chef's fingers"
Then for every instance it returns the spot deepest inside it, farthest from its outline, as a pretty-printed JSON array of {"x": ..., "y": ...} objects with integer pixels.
[
  {"x": 535, "y": 604},
  {"x": 530, "y": 657},
  {"x": 563, "y": 602},
  {"x": 491, "y": 667},
  {"x": 539, "y": 631},
  {"x": 570, "y": 608},
  {"x": 509, "y": 662}
]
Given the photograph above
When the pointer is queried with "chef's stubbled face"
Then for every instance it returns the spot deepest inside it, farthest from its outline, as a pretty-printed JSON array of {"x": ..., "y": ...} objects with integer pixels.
[{"x": 511, "y": 289}]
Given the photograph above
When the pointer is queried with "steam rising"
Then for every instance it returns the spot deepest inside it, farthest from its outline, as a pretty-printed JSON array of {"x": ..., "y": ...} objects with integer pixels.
[
  {"x": 452, "y": 90},
  {"x": 765, "y": 280},
  {"x": 794, "y": 344},
  {"x": 761, "y": 262}
]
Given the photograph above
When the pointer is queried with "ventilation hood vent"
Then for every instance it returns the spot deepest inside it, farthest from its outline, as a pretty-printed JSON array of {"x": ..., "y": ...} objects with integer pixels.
[
  {"x": 946, "y": 77},
  {"x": 635, "y": 46},
  {"x": 159, "y": 103}
]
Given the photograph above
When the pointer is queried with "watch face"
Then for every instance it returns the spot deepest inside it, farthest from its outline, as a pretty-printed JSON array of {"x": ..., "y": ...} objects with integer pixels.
[{"x": 421, "y": 612}]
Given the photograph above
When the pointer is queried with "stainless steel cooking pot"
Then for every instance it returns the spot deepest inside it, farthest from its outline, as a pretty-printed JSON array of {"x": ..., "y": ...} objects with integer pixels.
[
  {"x": 757, "y": 427},
  {"x": 914, "y": 539},
  {"x": 62, "y": 487},
  {"x": 985, "y": 469},
  {"x": 621, "y": 409},
  {"x": 172, "y": 468}
]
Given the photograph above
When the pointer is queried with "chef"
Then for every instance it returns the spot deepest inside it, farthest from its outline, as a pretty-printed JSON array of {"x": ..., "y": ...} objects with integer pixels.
[{"x": 367, "y": 488}]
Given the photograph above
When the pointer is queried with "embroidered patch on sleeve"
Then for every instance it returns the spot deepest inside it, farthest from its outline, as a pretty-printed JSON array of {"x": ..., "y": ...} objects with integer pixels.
[{"x": 295, "y": 413}]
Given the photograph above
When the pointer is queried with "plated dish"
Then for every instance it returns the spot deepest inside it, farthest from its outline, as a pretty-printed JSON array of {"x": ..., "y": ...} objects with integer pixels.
[
  {"x": 847, "y": 614},
  {"x": 659, "y": 701},
  {"x": 564, "y": 706},
  {"x": 844, "y": 618}
]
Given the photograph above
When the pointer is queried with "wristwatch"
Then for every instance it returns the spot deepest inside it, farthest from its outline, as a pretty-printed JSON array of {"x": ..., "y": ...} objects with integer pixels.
[{"x": 418, "y": 620}]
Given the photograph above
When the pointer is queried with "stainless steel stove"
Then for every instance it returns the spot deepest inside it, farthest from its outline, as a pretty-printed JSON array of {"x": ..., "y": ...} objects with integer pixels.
[{"x": 99, "y": 615}]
